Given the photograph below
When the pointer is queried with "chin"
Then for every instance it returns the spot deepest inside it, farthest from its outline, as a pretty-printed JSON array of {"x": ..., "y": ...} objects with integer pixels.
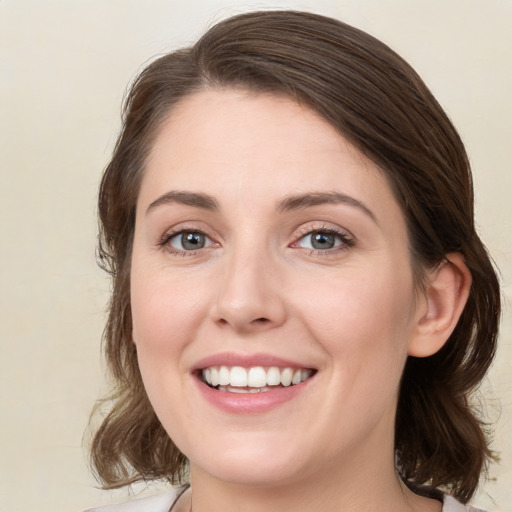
[{"x": 251, "y": 464}]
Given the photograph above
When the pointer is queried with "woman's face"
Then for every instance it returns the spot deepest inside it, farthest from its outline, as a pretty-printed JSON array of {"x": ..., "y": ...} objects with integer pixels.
[{"x": 267, "y": 249}]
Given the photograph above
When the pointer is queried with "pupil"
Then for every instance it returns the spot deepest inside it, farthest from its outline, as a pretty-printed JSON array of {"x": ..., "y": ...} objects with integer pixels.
[
  {"x": 322, "y": 241},
  {"x": 191, "y": 241}
]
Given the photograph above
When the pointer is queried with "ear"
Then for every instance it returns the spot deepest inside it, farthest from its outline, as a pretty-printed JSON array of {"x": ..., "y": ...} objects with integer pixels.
[{"x": 440, "y": 306}]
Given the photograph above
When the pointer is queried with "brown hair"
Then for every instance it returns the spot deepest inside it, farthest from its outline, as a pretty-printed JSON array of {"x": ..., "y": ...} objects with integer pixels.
[{"x": 377, "y": 101}]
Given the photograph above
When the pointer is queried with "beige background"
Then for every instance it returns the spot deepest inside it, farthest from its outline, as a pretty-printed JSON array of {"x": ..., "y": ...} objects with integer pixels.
[{"x": 64, "y": 66}]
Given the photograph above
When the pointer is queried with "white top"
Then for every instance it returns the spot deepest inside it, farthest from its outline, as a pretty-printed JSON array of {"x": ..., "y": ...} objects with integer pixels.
[
  {"x": 163, "y": 503},
  {"x": 158, "y": 503}
]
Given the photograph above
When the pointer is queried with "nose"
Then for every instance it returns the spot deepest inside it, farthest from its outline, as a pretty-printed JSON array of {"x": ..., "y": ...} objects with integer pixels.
[{"x": 250, "y": 298}]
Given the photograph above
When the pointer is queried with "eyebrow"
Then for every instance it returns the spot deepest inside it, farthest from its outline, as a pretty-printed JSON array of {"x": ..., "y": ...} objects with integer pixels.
[
  {"x": 195, "y": 199},
  {"x": 294, "y": 202},
  {"x": 301, "y": 201}
]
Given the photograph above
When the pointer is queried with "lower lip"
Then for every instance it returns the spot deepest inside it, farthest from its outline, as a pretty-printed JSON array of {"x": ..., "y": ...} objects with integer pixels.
[{"x": 250, "y": 403}]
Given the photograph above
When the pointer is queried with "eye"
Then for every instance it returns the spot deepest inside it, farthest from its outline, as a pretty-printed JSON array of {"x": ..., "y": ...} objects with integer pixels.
[
  {"x": 189, "y": 241},
  {"x": 324, "y": 240}
]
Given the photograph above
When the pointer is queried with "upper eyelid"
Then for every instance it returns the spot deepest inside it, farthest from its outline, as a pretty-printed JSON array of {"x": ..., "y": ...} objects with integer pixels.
[
  {"x": 187, "y": 226},
  {"x": 303, "y": 230},
  {"x": 165, "y": 242},
  {"x": 309, "y": 228},
  {"x": 170, "y": 234}
]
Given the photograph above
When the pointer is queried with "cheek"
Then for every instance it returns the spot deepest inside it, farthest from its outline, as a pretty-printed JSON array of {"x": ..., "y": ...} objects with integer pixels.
[
  {"x": 164, "y": 310},
  {"x": 364, "y": 322},
  {"x": 164, "y": 320}
]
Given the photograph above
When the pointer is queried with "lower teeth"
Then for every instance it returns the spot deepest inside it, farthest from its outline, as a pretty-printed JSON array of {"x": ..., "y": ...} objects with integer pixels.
[{"x": 233, "y": 389}]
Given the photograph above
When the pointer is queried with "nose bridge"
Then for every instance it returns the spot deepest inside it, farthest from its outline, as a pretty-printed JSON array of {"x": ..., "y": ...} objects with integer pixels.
[{"x": 249, "y": 296}]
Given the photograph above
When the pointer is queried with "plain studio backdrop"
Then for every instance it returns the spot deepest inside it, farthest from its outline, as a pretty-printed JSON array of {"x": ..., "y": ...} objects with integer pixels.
[{"x": 64, "y": 67}]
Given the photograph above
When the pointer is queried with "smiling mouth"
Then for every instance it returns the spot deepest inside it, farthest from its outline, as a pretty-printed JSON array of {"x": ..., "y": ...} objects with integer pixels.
[{"x": 256, "y": 379}]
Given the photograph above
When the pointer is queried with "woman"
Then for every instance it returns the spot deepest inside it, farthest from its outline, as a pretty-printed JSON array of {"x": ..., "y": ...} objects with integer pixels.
[{"x": 301, "y": 304}]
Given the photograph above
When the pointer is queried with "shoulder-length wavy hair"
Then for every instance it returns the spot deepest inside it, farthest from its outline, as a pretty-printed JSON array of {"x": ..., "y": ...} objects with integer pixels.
[{"x": 378, "y": 102}]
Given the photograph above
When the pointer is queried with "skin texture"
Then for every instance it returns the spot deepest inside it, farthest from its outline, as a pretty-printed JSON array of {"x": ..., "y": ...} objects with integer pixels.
[{"x": 351, "y": 312}]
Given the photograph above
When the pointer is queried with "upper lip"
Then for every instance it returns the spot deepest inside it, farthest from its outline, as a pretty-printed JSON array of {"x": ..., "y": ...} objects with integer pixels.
[{"x": 247, "y": 361}]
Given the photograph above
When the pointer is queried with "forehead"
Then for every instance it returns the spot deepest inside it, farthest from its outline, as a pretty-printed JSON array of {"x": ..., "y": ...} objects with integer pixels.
[
  {"x": 237, "y": 141},
  {"x": 222, "y": 120},
  {"x": 218, "y": 122}
]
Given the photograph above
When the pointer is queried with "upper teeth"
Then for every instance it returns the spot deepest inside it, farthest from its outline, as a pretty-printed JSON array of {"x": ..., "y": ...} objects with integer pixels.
[{"x": 254, "y": 377}]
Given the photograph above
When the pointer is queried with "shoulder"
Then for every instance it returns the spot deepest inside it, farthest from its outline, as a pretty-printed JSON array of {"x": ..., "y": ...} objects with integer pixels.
[
  {"x": 450, "y": 504},
  {"x": 159, "y": 503}
]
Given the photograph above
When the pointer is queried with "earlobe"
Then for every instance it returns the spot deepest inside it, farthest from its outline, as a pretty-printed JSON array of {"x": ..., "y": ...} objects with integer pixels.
[{"x": 443, "y": 301}]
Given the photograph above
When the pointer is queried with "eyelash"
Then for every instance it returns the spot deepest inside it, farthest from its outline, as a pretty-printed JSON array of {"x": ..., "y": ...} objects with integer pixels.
[
  {"x": 165, "y": 241},
  {"x": 346, "y": 241}
]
